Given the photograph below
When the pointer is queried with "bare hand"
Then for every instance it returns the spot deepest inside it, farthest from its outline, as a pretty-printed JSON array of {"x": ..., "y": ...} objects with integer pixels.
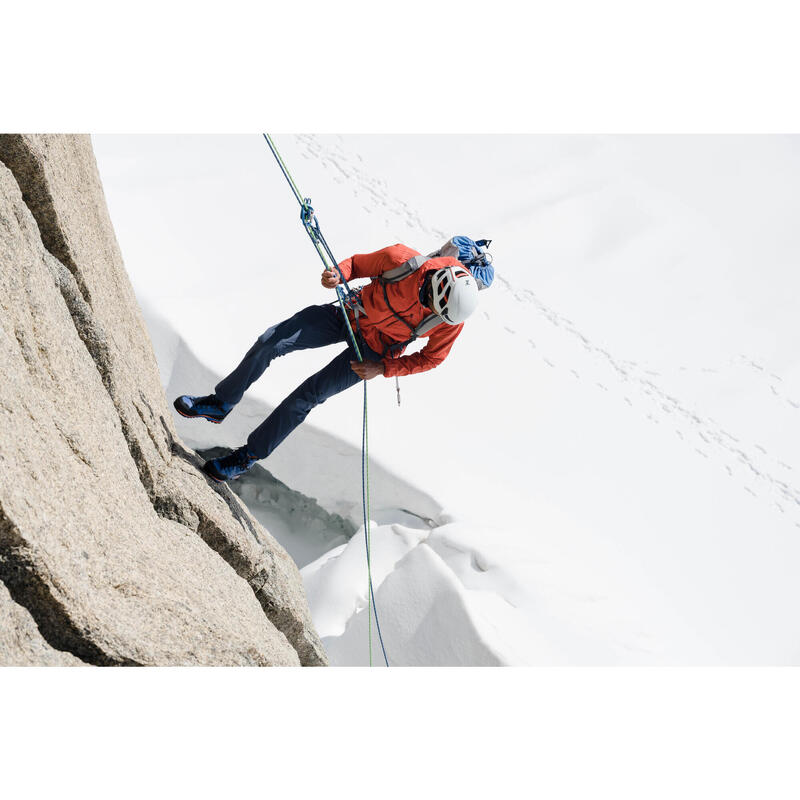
[
  {"x": 330, "y": 280},
  {"x": 366, "y": 370}
]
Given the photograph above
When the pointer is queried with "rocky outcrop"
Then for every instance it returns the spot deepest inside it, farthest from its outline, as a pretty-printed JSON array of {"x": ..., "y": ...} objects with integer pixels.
[
  {"x": 111, "y": 540},
  {"x": 21, "y": 643}
]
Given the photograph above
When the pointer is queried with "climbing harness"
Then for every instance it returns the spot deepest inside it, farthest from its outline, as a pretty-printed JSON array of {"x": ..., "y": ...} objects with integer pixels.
[{"x": 347, "y": 299}]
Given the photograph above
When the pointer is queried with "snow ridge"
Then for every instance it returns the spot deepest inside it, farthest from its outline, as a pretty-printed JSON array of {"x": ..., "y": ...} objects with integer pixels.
[{"x": 625, "y": 491}]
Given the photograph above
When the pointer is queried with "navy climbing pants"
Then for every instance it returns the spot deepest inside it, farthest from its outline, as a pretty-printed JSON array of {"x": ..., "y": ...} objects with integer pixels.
[{"x": 315, "y": 326}]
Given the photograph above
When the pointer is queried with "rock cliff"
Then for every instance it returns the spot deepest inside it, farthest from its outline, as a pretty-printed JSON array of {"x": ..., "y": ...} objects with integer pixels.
[{"x": 114, "y": 548}]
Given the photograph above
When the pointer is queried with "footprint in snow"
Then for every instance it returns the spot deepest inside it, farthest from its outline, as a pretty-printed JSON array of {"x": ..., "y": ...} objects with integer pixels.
[{"x": 478, "y": 563}]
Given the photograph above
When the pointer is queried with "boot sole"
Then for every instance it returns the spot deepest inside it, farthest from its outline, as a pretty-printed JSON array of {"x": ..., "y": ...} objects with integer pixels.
[
  {"x": 212, "y": 476},
  {"x": 219, "y": 480},
  {"x": 198, "y": 416}
]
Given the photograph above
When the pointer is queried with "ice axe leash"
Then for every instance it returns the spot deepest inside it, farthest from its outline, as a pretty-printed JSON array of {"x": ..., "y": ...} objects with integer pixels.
[{"x": 311, "y": 224}]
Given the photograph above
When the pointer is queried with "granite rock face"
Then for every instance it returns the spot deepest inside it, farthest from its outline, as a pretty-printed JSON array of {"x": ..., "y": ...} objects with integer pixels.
[
  {"x": 21, "y": 643},
  {"x": 114, "y": 548}
]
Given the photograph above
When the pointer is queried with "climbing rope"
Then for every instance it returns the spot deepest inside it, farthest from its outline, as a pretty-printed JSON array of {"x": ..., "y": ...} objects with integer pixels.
[
  {"x": 311, "y": 224},
  {"x": 367, "y": 536},
  {"x": 344, "y": 295}
]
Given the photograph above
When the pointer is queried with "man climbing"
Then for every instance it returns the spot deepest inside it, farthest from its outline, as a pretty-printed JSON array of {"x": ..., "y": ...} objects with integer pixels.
[{"x": 410, "y": 296}]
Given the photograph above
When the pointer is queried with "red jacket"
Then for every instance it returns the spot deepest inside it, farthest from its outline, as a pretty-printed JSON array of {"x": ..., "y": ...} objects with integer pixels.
[{"x": 380, "y": 328}]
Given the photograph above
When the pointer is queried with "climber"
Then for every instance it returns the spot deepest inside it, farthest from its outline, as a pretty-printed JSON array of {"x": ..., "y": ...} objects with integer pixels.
[{"x": 431, "y": 299}]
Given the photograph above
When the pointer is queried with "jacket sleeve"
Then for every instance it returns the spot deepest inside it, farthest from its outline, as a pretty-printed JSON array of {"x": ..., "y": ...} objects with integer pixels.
[
  {"x": 370, "y": 265},
  {"x": 435, "y": 351}
]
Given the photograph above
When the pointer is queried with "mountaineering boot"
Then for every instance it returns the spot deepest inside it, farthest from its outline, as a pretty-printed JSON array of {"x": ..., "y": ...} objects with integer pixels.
[
  {"x": 231, "y": 466},
  {"x": 208, "y": 407}
]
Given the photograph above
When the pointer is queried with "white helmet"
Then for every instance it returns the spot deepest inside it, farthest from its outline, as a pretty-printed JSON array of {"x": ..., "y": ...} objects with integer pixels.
[{"x": 455, "y": 294}]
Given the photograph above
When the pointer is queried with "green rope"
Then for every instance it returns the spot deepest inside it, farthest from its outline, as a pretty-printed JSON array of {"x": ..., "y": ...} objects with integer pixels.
[
  {"x": 367, "y": 517},
  {"x": 285, "y": 169},
  {"x": 368, "y": 535},
  {"x": 322, "y": 249}
]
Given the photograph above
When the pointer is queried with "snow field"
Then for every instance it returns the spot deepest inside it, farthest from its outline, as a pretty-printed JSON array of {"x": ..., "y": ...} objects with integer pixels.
[{"x": 607, "y": 459}]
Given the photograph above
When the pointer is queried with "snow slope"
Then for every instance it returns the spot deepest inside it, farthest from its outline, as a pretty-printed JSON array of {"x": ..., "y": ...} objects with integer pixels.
[{"x": 620, "y": 484}]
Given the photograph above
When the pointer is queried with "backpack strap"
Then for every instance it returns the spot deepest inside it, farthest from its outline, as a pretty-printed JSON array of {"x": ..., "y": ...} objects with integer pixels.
[
  {"x": 404, "y": 270},
  {"x": 427, "y": 324}
]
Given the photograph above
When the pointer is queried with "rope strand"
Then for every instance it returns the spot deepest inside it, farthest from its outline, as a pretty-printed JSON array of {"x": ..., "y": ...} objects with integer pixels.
[
  {"x": 365, "y": 493},
  {"x": 311, "y": 224}
]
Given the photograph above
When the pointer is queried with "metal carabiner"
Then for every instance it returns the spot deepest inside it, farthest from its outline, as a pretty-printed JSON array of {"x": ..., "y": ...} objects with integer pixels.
[{"x": 307, "y": 214}]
